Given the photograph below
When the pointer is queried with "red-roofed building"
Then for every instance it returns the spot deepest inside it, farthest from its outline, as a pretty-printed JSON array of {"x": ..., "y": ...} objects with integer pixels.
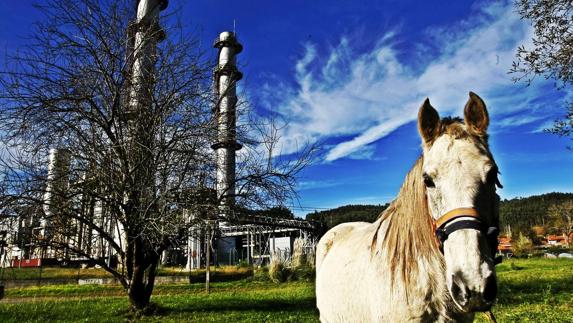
[
  {"x": 504, "y": 245},
  {"x": 557, "y": 240}
]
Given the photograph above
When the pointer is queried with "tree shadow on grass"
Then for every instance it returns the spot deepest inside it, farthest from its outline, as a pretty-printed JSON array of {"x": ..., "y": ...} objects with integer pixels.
[{"x": 305, "y": 304}]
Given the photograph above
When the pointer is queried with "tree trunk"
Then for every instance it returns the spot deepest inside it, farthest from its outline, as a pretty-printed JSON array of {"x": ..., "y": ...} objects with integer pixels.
[
  {"x": 141, "y": 288},
  {"x": 138, "y": 296},
  {"x": 142, "y": 278}
]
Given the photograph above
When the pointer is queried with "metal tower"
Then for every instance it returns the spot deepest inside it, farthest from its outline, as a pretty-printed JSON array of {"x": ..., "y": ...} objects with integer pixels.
[{"x": 226, "y": 76}]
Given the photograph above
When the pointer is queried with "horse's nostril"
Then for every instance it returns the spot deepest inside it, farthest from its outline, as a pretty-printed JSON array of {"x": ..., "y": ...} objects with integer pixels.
[
  {"x": 490, "y": 290},
  {"x": 460, "y": 293}
]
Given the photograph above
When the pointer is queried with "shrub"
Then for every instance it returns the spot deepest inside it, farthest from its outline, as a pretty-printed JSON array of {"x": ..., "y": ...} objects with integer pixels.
[
  {"x": 279, "y": 272},
  {"x": 298, "y": 255},
  {"x": 311, "y": 259},
  {"x": 243, "y": 264},
  {"x": 523, "y": 246},
  {"x": 304, "y": 273},
  {"x": 260, "y": 274},
  {"x": 303, "y": 253}
]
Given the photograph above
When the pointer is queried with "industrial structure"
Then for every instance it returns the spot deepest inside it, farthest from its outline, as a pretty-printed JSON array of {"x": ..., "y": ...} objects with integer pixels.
[
  {"x": 54, "y": 205},
  {"x": 231, "y": 236},
  {"x": 226, "y": 76},
  {"x": 239, "y": 237}
]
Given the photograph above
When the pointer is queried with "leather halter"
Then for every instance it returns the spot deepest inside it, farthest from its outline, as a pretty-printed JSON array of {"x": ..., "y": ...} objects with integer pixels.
[
  {"x": 444, "y": 227},
  {"x": 457, "y": 213}
]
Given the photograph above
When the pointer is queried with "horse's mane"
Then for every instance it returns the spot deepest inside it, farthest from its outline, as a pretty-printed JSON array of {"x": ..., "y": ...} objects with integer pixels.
[
  {"x": 409, "y": 241},
  {"x": 409, "y": 238}
]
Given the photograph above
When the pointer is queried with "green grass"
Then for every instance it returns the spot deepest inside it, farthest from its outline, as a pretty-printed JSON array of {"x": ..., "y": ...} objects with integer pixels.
[
  {"x": 116, "y": 290},
  {"x": 535, "y": 290},
  {"x": 228, "y": 273},
  {"x": 229, "y": 301},
  {"x": 54, "y": 273}
]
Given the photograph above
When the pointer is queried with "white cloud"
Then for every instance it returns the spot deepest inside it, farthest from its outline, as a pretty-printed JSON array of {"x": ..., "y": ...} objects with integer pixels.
[
  {"x": 544, "y": 126},
  {"x": 374, "y": 199},
  {"x": 309, "y": 185},
  {"x": 519, "y": 120},
  {"x": 363, "y": 97},
  {"x": 367, "y": 152}
]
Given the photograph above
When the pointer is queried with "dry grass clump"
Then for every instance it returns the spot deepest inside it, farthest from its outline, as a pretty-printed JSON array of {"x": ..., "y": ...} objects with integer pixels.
[
  {"x": 279, "y": 269},
  {"x": 300, "y": 266}
]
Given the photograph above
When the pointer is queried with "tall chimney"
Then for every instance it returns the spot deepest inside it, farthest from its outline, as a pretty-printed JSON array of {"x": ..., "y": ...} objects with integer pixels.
[
  {"x": 144, "y": 34},
  {"x": 226, "y": 75},
  {"x": 57, "y": 183}
]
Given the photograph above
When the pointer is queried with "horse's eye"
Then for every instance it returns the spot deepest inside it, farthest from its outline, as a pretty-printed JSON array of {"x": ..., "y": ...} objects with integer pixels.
[{"x": 428, "y": 181}]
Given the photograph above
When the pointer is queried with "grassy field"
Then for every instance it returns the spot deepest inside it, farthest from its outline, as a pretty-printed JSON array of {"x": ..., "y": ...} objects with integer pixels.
[
  {"x": 241, "y": 301},
  {"x": 536, "y": 290},
  {"x": 77, "y": 273}
]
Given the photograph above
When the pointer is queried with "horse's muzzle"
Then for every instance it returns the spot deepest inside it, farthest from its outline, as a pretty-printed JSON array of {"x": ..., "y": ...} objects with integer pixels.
[{"x": 469, "y": 300}]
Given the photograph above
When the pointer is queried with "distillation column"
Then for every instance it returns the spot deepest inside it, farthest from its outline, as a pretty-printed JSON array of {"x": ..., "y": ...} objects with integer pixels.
[
  {"x": 143, "y": 35},
  {"x": 55, "y": 202},
  {"x": 226, "y": 76}
]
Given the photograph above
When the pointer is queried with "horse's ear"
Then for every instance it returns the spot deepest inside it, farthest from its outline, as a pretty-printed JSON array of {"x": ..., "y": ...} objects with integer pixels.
[
  {"x": 428, "y": 122},
  {"x": 475, "y": 115}
]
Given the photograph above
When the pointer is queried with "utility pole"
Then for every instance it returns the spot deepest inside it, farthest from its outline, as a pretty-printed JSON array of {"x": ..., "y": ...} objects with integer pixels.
[{"x": 208, "y": 258}]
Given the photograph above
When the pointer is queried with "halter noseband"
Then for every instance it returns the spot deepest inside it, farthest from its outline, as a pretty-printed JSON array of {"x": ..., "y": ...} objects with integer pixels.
[{"x": 444, "y": 227}]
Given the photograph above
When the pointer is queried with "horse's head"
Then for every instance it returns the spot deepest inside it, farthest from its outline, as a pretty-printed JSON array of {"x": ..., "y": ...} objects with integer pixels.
[{"x": 460, "y": 175}]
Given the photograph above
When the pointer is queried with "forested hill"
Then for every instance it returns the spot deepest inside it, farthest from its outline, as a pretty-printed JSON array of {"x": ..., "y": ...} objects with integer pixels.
[
  {"x": 347, "y": 213},
  {"x": 521, "y": 213}
]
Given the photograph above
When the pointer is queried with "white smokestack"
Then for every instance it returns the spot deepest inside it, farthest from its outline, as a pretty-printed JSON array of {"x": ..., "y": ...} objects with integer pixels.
[
  {"x": 226, "y": 76},
  {"x": 56, "y": 184},
  {"x": 147, "y": 34}
]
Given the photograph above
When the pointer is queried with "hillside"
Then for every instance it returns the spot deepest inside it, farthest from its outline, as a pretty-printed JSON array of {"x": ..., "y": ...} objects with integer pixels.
[
  {"x": 520, "y": 213},
  {"x": 347, "y": 213},
  {"x": 523, "y": 213}
]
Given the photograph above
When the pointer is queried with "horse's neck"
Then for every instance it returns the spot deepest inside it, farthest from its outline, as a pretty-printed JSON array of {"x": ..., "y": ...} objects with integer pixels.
[{"x": 426, "y": 281}]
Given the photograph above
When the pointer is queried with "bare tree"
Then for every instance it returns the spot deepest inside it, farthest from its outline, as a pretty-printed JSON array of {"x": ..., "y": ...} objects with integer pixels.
[
  {"x": 552, "y": 52},
  {"x": 132, "y": 132}
]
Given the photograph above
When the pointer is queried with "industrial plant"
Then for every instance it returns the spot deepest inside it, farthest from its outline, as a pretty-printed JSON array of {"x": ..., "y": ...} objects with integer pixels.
[{"x": 233, "y": 237}]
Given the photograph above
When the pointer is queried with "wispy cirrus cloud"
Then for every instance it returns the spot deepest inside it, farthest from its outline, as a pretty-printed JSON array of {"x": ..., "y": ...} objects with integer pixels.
[
  {"x": 543, "y": 127},
  {"x": 310, "y": 185},
  {"x": 519, "y": 120},
  {"x": 362, "y": 97}
]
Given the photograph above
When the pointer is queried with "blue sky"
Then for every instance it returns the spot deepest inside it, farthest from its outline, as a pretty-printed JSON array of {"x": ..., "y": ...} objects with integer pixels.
[{"x": 351, "y": 75}]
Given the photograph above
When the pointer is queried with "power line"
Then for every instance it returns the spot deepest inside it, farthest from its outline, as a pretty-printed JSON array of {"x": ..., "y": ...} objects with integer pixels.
[
  {"x": 325, "y": 208},
  {"x": 308, "y": 207}
]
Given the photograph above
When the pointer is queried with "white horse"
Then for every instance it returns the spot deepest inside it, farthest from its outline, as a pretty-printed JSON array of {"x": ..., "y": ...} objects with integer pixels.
[{"x": 430, "y": 255}]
